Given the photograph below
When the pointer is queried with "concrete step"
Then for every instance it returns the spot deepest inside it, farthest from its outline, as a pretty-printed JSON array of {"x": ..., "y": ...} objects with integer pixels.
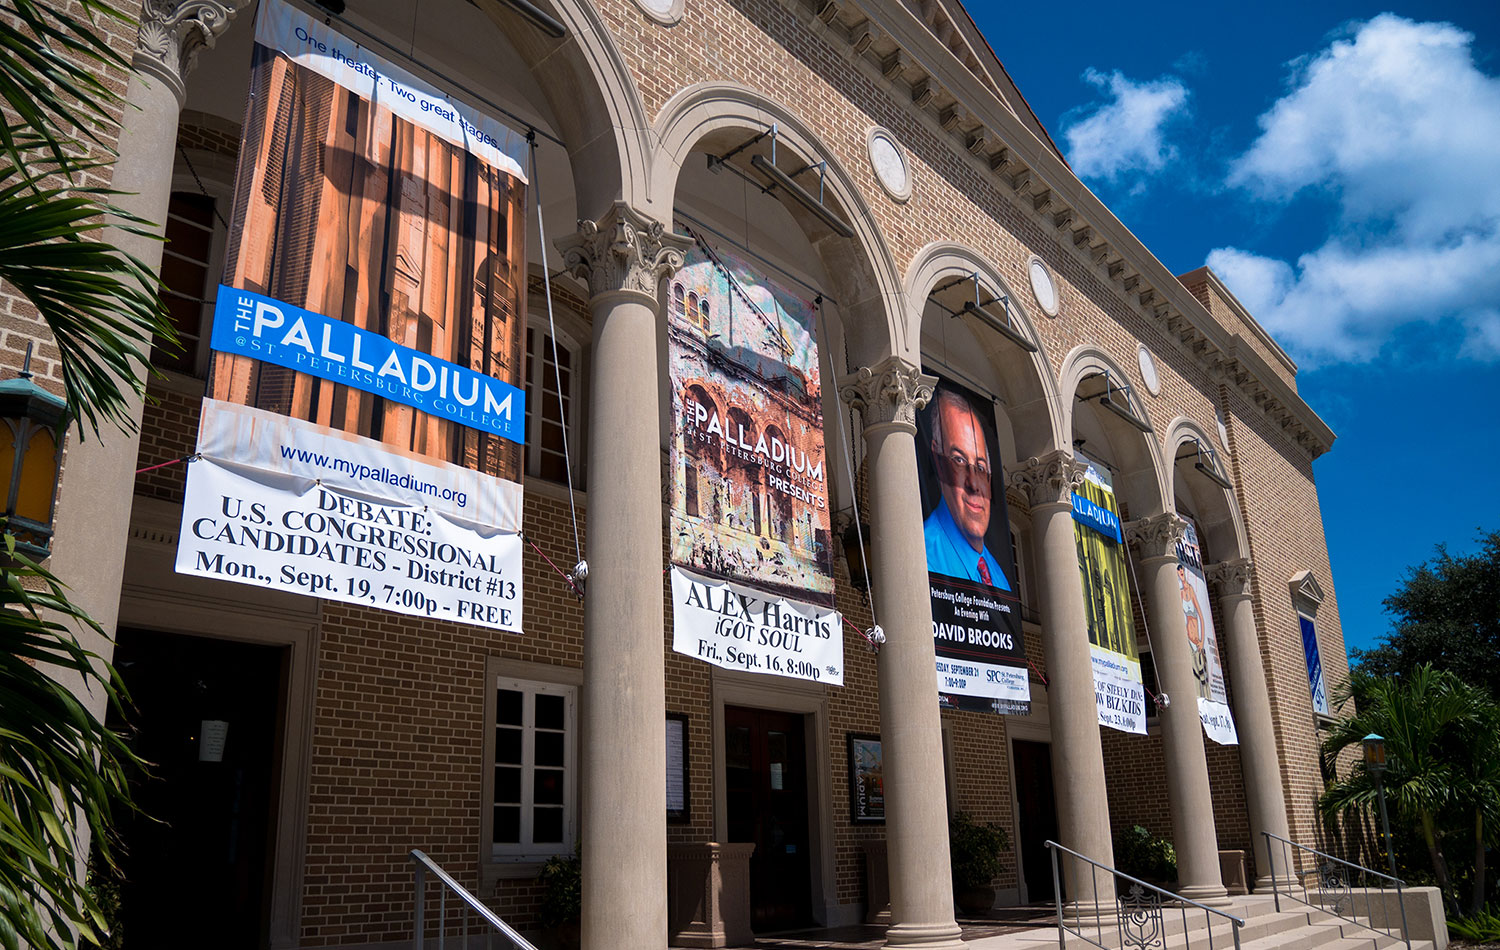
[{"x": 1295, "y": 927}]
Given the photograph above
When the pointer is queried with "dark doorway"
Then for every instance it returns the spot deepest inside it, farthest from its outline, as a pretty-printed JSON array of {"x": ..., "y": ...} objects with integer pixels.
[
  {"x": 208, "y": 719},
  {"x": 1036, "y": 811},
  {"x": 765, "y": 765}
]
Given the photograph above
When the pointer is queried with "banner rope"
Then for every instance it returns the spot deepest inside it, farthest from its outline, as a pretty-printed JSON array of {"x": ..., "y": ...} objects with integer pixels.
[
  {"x": 186, "y": 458},
  {"x": 581, "y": 568},
  {"x": 1146, "y": 629},
  {"x": 552, "y": 564},
  {"x": 876, "y": 636}
]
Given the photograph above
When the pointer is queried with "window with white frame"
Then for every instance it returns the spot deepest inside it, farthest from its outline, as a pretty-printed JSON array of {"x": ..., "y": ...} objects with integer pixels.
[
  {"x": 192, "y": 252},
  {"x": 535, "y": 769},
  {"x": 550, "y": 407}
]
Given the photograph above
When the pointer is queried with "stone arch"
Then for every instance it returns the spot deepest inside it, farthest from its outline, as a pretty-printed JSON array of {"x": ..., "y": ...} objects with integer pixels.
[
  {"x": 592, "y": 98},
  {"x": 1140, "y": 482},
  {"x": 861, "y": 269},
  {"x": 1214, "y": 506},
  {"x": 1031, "y": 395}
]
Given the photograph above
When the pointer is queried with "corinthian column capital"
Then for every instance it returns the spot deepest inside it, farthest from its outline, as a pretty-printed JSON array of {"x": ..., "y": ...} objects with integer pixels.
[
  {"x": 1048, "y": 479},
  {"x": 1232, "y": 577},
  {"x": 1156, "y": 536},
  {"x": 888, "y": 393},
  {"x": 172, "y": 34},
  {"x": 623, "y": 252}
]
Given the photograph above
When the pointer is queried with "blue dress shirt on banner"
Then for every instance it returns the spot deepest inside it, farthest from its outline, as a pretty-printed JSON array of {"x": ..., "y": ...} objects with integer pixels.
[{"x": 949, "y": 552}]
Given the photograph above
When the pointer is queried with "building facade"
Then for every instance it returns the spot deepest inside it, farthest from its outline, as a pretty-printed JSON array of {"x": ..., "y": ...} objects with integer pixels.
[{"x": 876, "y": 161}]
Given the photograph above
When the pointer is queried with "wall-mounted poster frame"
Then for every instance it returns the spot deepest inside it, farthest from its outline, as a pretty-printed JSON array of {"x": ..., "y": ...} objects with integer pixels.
[
  {"x": 866, "y": 780},
  {"x": 677, "y": 769}
]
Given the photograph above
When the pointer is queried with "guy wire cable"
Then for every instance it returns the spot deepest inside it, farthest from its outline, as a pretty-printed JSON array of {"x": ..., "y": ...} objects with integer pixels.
[
  {"x": 536, "y": 189},
  {"x": 876, "y": 633}
]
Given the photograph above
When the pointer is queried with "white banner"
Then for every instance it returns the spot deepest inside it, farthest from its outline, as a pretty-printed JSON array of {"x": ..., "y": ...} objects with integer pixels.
[
  {"x": 295, "y": 507},
  {"x": 1118, "y": 691},
  {"x": 990, "y": 680},
  {"x": 312, "y": 45},
  {"x": 1213, "y": 697},
  {"x": 355, "y": 465},
  {"x": 742, "y": 629}
]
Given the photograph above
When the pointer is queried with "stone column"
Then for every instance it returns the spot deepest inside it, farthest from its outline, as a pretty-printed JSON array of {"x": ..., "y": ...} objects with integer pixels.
[
  {"x": 1077, "y": 756},
  {"x": 1259, "y": 761},
  {"x": 1188, "y": 797},
  {"x": 624, "y": 805},
  {"x": 93, "y": 509},
  {"x": 916, "y": 824}
]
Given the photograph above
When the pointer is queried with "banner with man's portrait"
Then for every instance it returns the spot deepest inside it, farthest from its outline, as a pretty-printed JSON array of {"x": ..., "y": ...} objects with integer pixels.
[
  {"x": 1118, "y": 689},
  {"x": 362, "y": 440},
  {"x": 750, "y": 523},
  {"x": 1213, "y": 698},
  {"x": 971, "y": 574}
]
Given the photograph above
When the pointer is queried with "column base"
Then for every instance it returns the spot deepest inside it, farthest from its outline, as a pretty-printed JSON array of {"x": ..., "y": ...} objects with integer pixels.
[
  {"x": 937, "y": 936},
  {"x": 1212, "y": 895},
  {"x": 1084, "y": 914},
  {"x": 1264, "y": 885}
]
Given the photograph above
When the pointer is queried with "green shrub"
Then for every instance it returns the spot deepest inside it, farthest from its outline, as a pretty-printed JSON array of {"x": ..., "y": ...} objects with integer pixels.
[
  {"x": 1141, "y": 854},
  {"x": 975, "y": 850},
  {"x": 562, "y": 897},
  {"x": 1483, "y": 927}
]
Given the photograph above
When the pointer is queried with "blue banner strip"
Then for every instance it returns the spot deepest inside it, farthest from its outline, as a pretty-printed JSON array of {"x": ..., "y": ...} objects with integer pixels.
[
  {"x": 250, "y": 324},
  {"x": 1102, "y": 520}
]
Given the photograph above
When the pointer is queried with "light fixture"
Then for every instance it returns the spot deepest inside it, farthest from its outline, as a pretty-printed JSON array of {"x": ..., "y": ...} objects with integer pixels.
[
  {"x": 540, "y": 18},
  {"x": 1206, "y": 460},
  {"x": 1005, "y": 327},
  {"x": 856, "y": 539},
  {"x": 36, "y": 420},
  {"x": 823, "y": 212},
  {"x": 1116, "y": 398},
  {"x": 1374, "y": 754}
]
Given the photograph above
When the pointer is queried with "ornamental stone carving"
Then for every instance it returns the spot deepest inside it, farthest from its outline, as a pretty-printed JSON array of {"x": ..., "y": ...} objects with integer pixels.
[
  {"x": 1232, "y": 577},
  {"x": 889, "y": 393},
  {"x": 172, "y": 34},
  {"x": 1049, "y": 479},
  {"x": 1156, "y": 536},
  {"x": 623, "y": 252}
]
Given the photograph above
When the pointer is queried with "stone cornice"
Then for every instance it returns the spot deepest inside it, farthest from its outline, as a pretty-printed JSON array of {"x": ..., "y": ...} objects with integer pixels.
[
  {"x": 1050, "y": 479},
  {"x": 889, "y": 393},
  {"x": 1156, "y": 536},
  {"x": 172, "y": 34},
  {"x": 623, "y": 252},
  {"x": 896, "y": 49}
]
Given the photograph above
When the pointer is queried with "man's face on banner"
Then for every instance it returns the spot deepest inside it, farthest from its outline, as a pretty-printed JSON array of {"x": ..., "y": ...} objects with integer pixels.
[{"x": 963, "y": 465}]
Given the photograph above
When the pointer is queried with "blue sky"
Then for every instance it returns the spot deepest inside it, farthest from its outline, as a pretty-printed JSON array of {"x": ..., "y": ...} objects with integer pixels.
[{"x": 1338, "y": 164}]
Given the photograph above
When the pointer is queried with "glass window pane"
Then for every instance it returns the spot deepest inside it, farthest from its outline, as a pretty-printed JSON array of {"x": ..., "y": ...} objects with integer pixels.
[
  {"x": 547, "y": 787},
  {"x": 549, "y": 748},
  {"x": 547, "y": 825},
  {"x": 507, "y": 785},
  {"x": 507, "y": 824},
  {"x": 550, "y": 709},
  {"x": 508, "y": 707},
  {"x": 508, "y": 746}
]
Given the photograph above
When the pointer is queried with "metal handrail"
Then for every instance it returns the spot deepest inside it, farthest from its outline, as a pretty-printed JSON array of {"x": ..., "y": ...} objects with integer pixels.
[
  {"x": 1141, "y": 920},
  {"x": 1329, "y": 880},
  {"x": 423, "y": 865}
]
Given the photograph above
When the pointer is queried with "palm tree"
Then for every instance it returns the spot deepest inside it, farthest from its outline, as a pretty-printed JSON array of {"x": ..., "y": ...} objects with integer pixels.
[
  {"x": 1433, "y": 724},
  {"x": 62, "y": 772}
]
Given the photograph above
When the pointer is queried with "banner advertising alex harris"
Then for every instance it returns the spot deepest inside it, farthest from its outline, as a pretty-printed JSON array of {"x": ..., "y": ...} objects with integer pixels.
[
  {"x": 1213, "y": 699},
  {"x": 752, "y": 562},
  {"x": 1118, "y": 690},
  {"x": 362, "y": 440},
  {"x": 976, "y": 612}
]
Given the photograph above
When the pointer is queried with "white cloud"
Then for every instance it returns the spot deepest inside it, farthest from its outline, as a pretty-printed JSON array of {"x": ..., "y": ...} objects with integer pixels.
[
  {"x": 1125, "y": 133},
  {"x": 1398, "y": 126}
]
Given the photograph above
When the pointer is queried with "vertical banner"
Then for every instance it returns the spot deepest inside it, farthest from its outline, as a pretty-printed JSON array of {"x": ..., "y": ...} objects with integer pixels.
[
  {"x": 752, "y": 562},
  {"x": 976, "y": 613},
  {"x": 1118, "y": 690},
  {"x": 1213, "y": 698},
  {"x": 367, "y": 338},
  {"x": 1314, "y": 665}
]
